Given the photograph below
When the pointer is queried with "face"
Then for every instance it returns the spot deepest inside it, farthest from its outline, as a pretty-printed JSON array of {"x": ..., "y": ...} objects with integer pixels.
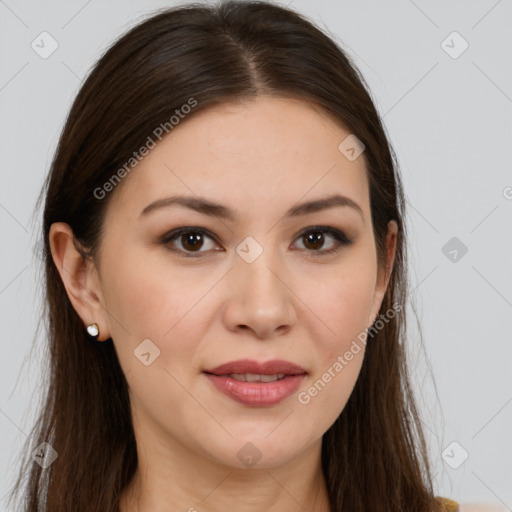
[{"x": 259, "y": 284}]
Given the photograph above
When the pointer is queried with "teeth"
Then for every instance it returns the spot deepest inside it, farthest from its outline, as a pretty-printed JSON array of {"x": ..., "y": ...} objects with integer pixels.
[
  {"x": 255, "y": 377},
  {"x": 270, "y": 378}
]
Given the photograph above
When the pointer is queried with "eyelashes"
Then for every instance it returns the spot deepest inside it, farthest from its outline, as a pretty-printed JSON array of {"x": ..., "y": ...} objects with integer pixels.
[{"x": 192, "y": 238}]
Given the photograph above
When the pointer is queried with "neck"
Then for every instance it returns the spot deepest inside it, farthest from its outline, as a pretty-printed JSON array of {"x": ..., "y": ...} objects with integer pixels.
[{"x": 178, "y": 479}]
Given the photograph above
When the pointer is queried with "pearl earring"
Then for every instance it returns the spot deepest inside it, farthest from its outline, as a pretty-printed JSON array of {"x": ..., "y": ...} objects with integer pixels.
[{"x": 93, "y": 330}]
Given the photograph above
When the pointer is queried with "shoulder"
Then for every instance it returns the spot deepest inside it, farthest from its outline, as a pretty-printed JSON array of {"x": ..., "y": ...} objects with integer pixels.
[{"x": 448, "y": 505}]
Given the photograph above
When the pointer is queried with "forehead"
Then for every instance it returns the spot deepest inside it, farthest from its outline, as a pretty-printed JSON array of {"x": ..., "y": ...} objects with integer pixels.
[{"x": 249, "y": 154}]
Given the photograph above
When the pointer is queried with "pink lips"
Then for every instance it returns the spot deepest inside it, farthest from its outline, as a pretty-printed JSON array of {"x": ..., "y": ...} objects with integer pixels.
[{"x": 257, "y": 393}]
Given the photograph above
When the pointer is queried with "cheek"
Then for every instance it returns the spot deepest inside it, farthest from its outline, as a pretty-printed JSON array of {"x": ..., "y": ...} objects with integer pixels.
[
  {"x": 343, "y": 307},
  {"x": 145, "y": 302},
  {"x": 167, "y": 310},
  {"x": 342, "y": 304},
  {"x": 152, "y": 295}
]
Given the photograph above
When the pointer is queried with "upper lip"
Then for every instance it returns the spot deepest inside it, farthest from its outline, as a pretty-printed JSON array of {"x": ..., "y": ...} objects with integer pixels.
[{"x": 272, "y": 367}]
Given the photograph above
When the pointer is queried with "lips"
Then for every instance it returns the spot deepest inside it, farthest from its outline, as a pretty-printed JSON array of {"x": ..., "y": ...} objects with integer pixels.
[
  {"x": 248, "y": 366},
  {"x": 256, "y": 383}
]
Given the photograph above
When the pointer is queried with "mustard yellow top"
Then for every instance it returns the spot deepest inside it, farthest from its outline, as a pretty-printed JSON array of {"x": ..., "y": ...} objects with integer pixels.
[{"x": 448, "y": 505}]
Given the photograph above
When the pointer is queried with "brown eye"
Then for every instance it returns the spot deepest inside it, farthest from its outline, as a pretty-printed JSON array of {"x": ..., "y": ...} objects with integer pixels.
[
  {"x": 315, "y": 238},
  {"x": 192, "y": 241},
  {"x": 189, "y": 240}
]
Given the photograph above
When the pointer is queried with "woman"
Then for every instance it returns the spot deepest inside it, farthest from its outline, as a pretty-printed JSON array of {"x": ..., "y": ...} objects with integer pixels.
[{"x": 226, "y": 280}]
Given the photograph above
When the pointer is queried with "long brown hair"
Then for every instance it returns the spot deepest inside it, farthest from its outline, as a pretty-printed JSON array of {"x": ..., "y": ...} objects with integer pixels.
[{"x": 374, "y": 456}]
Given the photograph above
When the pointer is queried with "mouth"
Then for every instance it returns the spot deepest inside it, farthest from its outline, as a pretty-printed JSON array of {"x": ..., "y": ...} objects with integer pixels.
[
  {"x": 257, "y": 383},
  {"x": 254, "y": 377},
  {"x": 276, "y": 367}
]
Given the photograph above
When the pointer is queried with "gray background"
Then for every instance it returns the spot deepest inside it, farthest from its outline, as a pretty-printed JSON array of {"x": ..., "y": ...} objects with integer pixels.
[{"x": 450, "y": 122}]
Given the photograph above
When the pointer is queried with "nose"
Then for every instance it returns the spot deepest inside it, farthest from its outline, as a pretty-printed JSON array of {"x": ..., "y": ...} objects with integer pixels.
[{"x": 259, "y": 298}]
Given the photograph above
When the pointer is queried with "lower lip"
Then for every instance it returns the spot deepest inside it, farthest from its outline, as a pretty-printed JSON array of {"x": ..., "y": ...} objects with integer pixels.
[{"x": 257, "y": 393}]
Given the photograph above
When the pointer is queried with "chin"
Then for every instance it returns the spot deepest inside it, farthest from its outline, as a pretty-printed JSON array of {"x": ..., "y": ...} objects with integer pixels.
[{"x": 256, "y": 451}]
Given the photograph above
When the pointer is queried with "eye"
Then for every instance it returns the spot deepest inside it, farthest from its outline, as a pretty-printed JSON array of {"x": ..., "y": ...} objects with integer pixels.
[
  {"x": 315, "y": 237},
  {"x": 191, "y": 239}
]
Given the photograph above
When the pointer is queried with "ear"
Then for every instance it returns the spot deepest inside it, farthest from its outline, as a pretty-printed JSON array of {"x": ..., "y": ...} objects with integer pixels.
[
  {"x": 383, "y": 275},
  {"x": 80, "y": 278}
]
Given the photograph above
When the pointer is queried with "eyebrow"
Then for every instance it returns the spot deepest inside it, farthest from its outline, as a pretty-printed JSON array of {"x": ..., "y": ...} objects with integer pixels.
[{"x": 213, "y": 209}]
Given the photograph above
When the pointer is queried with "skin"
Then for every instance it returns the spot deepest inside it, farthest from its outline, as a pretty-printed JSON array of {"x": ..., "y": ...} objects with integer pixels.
[{"x": 259, "y": 158}]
